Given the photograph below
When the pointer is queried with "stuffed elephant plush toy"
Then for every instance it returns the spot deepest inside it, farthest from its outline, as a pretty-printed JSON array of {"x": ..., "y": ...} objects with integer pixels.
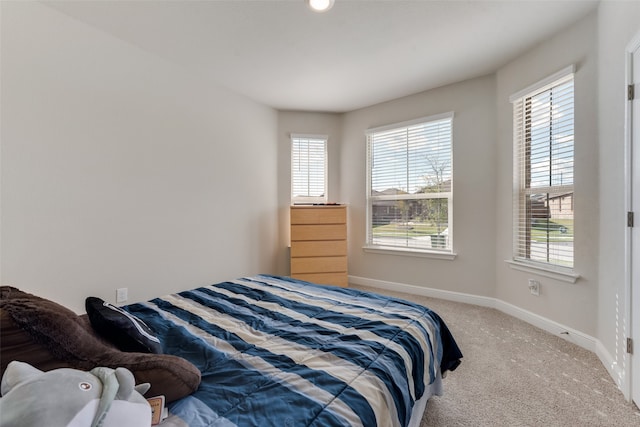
[{"x": 65, "y": 397}]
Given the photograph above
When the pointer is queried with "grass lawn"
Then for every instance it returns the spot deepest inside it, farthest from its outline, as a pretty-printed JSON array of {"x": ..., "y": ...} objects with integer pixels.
[
  {"x": 405, "y": 230},
  {"x": 538, "y": 230},
  {"x": 559, "y": 230}
]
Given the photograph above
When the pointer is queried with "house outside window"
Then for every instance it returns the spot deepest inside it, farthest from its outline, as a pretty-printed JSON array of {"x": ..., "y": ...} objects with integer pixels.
[
  {"x": 544, "y": 173},
  {"x": 308, "y": 169},
  {"x": 409, "y": 185}
]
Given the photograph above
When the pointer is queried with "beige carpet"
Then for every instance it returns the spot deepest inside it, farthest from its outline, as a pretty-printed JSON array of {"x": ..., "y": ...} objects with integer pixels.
[{"x": 514, "y": 374}]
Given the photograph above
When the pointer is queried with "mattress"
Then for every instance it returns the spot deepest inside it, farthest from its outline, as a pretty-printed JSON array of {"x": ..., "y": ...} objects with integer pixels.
[{"x": 275, "y": 351}]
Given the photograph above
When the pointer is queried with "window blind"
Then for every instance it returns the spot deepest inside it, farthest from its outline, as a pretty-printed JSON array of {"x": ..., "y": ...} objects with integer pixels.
[
  {"x": 410, "y": 184},
  {"x": 412, "y": 159},
  {"x": 308, "y": 168},
  {"x": 544, "y": 174}
]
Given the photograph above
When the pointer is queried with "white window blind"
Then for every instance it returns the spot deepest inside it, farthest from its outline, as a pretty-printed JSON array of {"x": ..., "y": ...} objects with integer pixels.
[
  {"x": 308, "y": 169},
  {"x": 543, "y": 174},
  {"x": 410, "y": 190}
]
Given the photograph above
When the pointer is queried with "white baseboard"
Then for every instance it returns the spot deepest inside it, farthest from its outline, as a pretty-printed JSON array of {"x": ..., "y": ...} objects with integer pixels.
[
  {"x": 572, "y": 335},
  {"x": 425, "y": 292}
]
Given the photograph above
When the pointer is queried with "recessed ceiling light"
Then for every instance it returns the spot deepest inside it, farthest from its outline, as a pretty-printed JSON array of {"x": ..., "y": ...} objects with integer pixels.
[{"x": 320, "y": 5}]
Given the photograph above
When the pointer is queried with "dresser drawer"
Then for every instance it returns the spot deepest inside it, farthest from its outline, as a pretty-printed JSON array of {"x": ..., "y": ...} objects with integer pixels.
[
  {"x": 319, "y": 232},
  {"x": 335, "y": 279},
  {"x": 318, "y": 248},
  {"x": 327, "y": 264},
  {"x": 319, "y": 215}
]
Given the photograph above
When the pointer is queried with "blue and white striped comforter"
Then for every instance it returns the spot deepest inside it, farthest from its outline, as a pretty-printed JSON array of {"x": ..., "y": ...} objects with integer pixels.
[{"x": 275, "y": 351}]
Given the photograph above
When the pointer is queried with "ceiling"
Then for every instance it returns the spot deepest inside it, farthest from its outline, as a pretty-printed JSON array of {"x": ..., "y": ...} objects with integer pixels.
[{"x": 359, "y": 53}]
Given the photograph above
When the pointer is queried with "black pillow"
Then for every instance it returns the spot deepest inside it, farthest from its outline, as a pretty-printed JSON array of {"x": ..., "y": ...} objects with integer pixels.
[{"x": 123, "y": 329}]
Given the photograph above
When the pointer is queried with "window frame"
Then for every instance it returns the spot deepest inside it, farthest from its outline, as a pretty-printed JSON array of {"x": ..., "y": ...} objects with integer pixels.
[
  {"x": 369, "y": 246},
  {"x": 521, "y": 190},
  {"x": 300, "y": 200}
]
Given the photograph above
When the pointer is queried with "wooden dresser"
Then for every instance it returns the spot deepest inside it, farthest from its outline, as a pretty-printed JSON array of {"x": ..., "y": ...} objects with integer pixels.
[{"x": 319, "y": 244}]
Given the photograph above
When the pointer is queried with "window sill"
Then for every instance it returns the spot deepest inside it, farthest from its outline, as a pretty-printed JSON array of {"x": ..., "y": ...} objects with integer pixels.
[
  {"x": 562, "y": 274},
  {"x": 387, "y": 250}
]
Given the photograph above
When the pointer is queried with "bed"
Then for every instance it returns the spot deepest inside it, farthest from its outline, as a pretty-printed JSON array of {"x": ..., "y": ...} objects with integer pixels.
[
  {"x": 275, "y": 351},
  {"x": 257, "y": 351}
]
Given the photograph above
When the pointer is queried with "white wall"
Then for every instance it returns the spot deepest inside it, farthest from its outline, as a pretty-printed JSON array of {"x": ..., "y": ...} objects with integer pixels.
[
  {"x": 618, "y": 23},
  {"x": 122, "y": 170},
  {"x": 474, "y": 166},
  {"x": 573, "y": 305}
]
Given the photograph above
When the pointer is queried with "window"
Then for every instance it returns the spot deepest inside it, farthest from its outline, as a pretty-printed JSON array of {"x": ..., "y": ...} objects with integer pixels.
[
  {"x": 409, "y": 191},
  {"x": 543, "y": 172},
  {"x": 308, "y": 169}
]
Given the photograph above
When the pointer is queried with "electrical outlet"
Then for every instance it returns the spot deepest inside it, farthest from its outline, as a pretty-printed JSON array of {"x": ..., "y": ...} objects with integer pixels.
[
  {"x": 122, "y": 294},
  {"x": 534, "y": 287}
]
